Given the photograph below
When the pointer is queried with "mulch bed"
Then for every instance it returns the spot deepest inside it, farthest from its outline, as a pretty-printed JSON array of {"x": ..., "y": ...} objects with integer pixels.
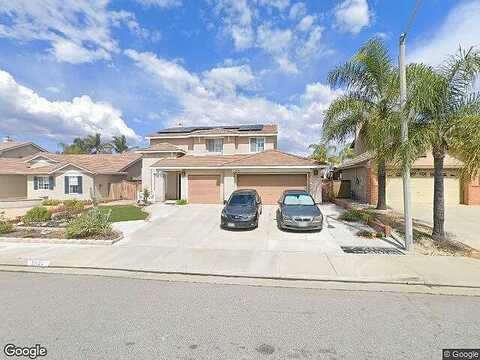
[{"x": 50, "y": 233}]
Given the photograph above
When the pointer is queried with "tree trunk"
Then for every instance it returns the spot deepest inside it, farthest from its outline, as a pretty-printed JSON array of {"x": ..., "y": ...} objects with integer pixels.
[
  {"x": 438, "y": 232},
  {"x": 382, "y": 184}
]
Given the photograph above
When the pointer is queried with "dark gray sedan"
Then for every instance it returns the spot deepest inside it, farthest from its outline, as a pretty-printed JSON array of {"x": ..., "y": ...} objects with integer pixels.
[{"x": 298, "y": 211}]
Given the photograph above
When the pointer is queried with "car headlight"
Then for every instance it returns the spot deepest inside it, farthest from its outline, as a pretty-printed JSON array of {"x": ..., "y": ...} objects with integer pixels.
[
  {"x": 318, "y": 218},
  {"x": 287, "y": 218},
  {"x": 224, "y": 215}
]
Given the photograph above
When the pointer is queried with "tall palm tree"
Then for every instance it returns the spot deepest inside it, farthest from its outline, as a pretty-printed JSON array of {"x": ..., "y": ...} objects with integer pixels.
[
  {"x": 444, "y": 114},
  {"x": 119, "y": 144},
  {"x": 96, "y": 145},
  {"x": 370, "y": 103}
]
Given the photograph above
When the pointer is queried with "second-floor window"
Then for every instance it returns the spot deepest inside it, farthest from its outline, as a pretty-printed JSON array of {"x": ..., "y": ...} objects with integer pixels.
[
  {"x": 215, "y": 145},
  {"x": 257, "y": 144}
]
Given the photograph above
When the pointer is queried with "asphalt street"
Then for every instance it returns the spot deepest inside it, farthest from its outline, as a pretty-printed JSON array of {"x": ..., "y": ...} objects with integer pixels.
[{"x": 89, "y": 317}]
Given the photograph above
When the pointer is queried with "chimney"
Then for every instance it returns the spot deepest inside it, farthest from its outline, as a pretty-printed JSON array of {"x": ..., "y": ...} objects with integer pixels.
[{"x": 7, "y": 139}]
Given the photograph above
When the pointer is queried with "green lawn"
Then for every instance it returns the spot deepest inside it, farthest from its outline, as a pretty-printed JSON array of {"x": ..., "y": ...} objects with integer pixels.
[{"x": 125, "y": 213}]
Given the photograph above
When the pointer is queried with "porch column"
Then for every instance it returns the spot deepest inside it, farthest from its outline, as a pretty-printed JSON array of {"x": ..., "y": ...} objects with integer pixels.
[{"x": 159, "y": 185}]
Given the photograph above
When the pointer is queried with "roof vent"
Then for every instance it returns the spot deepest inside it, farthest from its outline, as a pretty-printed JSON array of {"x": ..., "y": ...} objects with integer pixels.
[{"x": 7, "y": 139}]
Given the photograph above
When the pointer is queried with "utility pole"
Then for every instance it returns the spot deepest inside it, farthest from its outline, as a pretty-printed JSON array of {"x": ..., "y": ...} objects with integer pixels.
[{"x": 407, "y": 196}]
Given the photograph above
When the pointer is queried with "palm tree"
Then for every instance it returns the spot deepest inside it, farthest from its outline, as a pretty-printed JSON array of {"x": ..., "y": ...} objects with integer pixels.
[
  {"x": 119, "y": 144},
  {"x": 96, "y": 145},
  {"x": 444, "y": 115},
  {"x": 323, "y": 153},
  {"x": 370, "y": 103}
]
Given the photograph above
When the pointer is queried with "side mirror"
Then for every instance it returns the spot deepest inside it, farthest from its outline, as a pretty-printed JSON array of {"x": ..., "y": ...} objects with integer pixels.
[
  {"x": 279, "y": 202},
  {"x": 224, "y": 202}
]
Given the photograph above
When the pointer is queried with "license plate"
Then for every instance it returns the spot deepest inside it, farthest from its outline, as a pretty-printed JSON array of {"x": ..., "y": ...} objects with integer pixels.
[
  {"x": 302, "y": 224},
  {"x": 231, "y": 225}
]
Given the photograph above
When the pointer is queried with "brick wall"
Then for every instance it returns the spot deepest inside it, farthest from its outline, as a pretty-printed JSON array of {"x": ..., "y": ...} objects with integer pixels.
[
  {"x": 471, "y": 192},
  {"x": 372, "y": 186}
]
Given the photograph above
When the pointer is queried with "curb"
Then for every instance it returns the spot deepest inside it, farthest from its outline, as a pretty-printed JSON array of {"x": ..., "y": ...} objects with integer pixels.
[
  {"x": 60, "y": 241},
  {"x": 448, "y": 289}
]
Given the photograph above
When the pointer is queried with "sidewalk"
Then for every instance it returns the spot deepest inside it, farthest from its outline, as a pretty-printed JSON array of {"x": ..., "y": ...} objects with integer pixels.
[{"x": 406, "y": 269}]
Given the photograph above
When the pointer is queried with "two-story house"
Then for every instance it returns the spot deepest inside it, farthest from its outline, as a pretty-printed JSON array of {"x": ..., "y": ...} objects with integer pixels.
[{"x": 206, "y": 164}]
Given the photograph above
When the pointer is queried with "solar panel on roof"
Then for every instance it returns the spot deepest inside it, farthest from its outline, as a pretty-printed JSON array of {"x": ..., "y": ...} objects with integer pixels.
[{"x": 257, "y": 127}]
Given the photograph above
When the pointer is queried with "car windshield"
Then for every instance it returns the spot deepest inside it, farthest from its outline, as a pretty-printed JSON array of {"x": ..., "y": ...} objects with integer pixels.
[
  {"x": 298, "y": 199},
  {"x": 242, "y": 199}
]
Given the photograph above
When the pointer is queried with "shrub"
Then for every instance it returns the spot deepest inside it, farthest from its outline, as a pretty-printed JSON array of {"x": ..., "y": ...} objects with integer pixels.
[
  {"x": 366, "y": 233},
  {"x": 73, "y": 207},
  {"x": 145, "y": 196},
  {"x": 37, "y": 214},
  {"x": 181, "y": 202},
  {"x": 95, "y": 222},
  {"x": 355, "y": 215},
  {"x": 51, "y": 202},
  {"x": 5, "y": 226}
]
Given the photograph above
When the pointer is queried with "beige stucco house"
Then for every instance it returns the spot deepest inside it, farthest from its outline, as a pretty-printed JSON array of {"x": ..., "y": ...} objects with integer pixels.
[
  {"x": 360, "y": 172},
  {"x": 199, "y": 164},
  {"x": 58, "y": 176},
  {"x": 206, "y": 164}
]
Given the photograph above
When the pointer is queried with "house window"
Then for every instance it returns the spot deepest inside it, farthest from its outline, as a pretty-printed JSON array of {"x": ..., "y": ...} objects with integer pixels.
[
  {"x": 215, "y": 145},
  {"x": 73, "y": 185},
  {"x": 257, "y": 144},
  {"x": 43, "y": 182}
]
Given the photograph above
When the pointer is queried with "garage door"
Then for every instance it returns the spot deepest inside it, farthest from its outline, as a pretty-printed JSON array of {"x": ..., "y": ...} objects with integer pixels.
[
  {"x": 422, "y": 190},
  {"x": 204, "y": 189},
  {"x": 271, "y": 187}
]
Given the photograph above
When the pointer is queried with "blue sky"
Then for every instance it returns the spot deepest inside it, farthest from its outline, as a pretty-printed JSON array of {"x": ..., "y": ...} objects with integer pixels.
[{"x": 71, "y": 68}]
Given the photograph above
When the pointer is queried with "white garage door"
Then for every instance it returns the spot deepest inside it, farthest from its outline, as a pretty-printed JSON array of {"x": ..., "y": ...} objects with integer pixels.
[{"x": 422, "y": 190}]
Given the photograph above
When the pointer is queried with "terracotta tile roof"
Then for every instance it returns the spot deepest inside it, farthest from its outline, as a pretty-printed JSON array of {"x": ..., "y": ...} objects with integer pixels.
[
  {"x": 12, "y": 166},
  {"x": 357, "y": 160},
  {"x": 97, "y": 164},
  {"x": 197, "y": 161},
  {"x": 17, "y": 144},
  {"x": 164, "y": 146},
  {"x": 273, "y": 158},
  {"x": 216, "y": 130},
  {"x": 266, "y": 158}
]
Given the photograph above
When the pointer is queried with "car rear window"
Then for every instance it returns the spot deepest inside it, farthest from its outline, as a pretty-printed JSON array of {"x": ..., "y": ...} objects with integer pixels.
[
  {"x": 298, "y": 199},
  {"x": 242, "y": 199}
]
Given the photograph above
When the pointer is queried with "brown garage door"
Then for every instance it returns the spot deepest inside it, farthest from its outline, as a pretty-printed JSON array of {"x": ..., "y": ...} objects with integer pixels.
[
  {"x": 271, "y": 187},
  {"x": 204, "y": 189}
]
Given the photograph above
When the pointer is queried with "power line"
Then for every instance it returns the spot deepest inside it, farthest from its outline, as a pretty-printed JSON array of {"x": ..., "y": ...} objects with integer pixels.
[{"x": 412, "y": 17}]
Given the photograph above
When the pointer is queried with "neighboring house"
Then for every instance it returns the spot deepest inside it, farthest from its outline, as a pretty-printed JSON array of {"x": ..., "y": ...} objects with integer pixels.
[
  {"x": 361, "y": 172},
  {"x": 15, "y": 185},
  {"x": 18, "y": 149},
  {"x": 58, "y": 176},
  {"x": 206, "y": 164}
]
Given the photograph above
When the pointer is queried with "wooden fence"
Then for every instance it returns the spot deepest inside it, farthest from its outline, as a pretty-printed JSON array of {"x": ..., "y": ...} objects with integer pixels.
[{"x": 125, "y": 190}]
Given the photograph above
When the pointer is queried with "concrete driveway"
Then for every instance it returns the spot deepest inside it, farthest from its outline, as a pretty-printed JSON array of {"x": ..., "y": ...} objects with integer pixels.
[
  {"x": 462, "y": 221},
  {"x": 197, "y": 227}
]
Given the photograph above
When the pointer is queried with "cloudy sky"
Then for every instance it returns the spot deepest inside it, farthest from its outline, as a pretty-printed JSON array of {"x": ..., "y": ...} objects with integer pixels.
[{"x": 69, "y": 68}]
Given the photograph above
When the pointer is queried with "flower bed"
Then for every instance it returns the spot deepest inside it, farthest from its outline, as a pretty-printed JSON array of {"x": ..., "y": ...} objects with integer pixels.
[{"x": 51, "y": 233}]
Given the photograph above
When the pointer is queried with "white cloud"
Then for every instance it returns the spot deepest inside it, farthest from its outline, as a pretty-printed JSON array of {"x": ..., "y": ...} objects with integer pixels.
[
  {"x": 53, "y": 89},
  {"x": 273, "y": 40},
  {"x": 352, "y": 16},
  {"x": 460, "y": 28},
  {"x": 297, "y": 10},
  {"x": 292, "y": 46},
  {"x": 279, "y": 4},
  {"x": 228, "y": 78},
  {"x": 161, "y": 3},
  {"x": 306, "y": 23},
  {"x": 24, "y": 112},
  {"x": 299, "y": 122},
  {"x": 77, "y": 31}
]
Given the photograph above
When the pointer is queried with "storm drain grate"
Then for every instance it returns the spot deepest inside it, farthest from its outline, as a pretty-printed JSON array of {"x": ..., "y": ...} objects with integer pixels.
[{"x": 371, "y": 250}]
